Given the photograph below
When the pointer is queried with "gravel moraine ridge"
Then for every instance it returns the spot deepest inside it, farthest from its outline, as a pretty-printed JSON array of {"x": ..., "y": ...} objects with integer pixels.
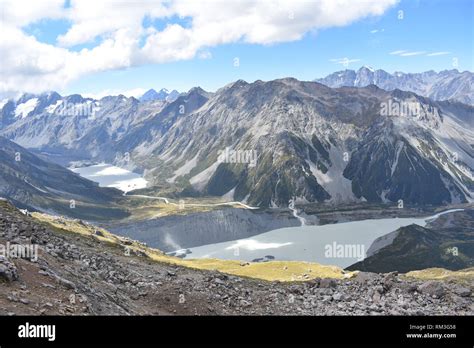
[{"x": 79, "y": 275}]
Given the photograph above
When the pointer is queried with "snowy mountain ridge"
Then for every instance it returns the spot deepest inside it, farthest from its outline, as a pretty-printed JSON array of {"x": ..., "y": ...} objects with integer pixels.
[{"x": 443, "y": 85}]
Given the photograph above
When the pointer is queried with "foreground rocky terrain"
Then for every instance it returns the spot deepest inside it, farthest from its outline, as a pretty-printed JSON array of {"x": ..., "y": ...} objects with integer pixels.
[{"x": 78, "y": 274}]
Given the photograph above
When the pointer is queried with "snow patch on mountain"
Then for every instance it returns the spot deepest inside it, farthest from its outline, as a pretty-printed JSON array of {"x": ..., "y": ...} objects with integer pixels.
[
  {"x": 383, "y": 196},
  {"x": 229, "y": 196},
  {"x": 22, "y": 110},
  {"x": 200, "y": 180},
  {"x": 399, "y": 148},
  {"x": 185, "y": 169},
  {"x": 2, "y": 103},
  {"x": 333, "y": 181}
]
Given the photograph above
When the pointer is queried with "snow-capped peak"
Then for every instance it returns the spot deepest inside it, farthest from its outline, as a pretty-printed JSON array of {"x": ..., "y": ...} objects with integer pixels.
[
  {"x": 2, "y": 103},
  {"x": 368, "y": 68},
  {"x": 22, "y": 110}
]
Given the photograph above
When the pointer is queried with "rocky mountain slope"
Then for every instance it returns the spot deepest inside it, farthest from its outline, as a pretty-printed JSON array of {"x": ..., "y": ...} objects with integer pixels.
[
  {"x": 266, "y": 143},
  {"x": 37, "y": 184},
  {"x": 315, "y": 144},
  {"x": 73, "y": 128},
  {"x": 86, "y": 273},
  {"x": 447, "y": 242},
  {"x": 444, "y": 85}
]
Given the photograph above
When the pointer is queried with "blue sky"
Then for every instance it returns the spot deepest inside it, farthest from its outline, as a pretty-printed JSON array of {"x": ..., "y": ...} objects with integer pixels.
[{"x": 433, "y": 34}]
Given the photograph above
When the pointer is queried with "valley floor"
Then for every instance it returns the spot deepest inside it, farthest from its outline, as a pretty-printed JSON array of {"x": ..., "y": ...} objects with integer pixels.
[{"x": 85, "y": 273}]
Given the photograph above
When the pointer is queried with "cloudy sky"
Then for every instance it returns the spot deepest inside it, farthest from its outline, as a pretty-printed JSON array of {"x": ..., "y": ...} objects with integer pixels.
[{"x": 98, "y": 47}]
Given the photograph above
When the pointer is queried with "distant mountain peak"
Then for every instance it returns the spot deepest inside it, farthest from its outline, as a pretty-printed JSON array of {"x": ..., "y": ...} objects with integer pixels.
[
  {"x": 197, "y": 90},
  {"x": 163, "y": 94},
  {"x": 443, "y": 85},
  {"x": 366, "y": 67},
  {"x": 151, "y": 94}
]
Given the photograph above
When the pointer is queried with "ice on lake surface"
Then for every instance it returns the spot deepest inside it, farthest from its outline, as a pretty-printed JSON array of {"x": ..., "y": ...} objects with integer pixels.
[{"x": 107, "y": 175}]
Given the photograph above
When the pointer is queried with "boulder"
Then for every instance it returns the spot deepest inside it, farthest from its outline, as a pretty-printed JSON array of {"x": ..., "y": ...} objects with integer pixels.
[
  {"x": 8, "y": 270},
  {"x": 364, "y": 277},
  {"x": 432, "y": 288},
  {"x": 462, "y": 291},
  {"x": 327, "y": 283}
]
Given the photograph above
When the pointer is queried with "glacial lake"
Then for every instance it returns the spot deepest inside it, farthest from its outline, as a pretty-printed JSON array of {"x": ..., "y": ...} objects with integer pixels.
[
  {"x": 107, "y": 175},
  {"x": 304, "y": 243},
  {"x": 307, "y": 243}
]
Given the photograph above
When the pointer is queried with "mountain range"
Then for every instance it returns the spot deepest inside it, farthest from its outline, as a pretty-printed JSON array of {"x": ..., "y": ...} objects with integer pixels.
[
  {"x": 163, "y": 94},
  {"x": 265, "y": 143},
  {"x": 443, "y": 85}
]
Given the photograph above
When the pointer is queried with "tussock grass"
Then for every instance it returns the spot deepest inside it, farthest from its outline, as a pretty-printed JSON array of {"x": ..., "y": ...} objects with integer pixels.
[
  {"x": 77, "y": 226},
  {"x": 272, "y": 270},
  {"x": 442, "y": 274},
  {"x": 143, "y": 208}
]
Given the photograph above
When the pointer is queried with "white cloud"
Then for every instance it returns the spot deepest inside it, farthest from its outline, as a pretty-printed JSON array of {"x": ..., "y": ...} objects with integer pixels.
[
  {"x": 442, "y": 53},
  {"x": 205, "y": 54},
  {"x": 93, "y": 18},
  {"x": 344, "y": 61},
  {"x": 396, "y": 53},
  {"x": 119, "y": 39},
  {"x": 23, "y": 12},
  {"x": 414, "y": 53},
  {"x": 405, "y": 53}
]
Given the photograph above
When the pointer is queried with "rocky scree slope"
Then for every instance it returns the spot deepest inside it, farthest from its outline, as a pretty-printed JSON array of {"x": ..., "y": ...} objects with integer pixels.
[{"x": 80, "y": 274}]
